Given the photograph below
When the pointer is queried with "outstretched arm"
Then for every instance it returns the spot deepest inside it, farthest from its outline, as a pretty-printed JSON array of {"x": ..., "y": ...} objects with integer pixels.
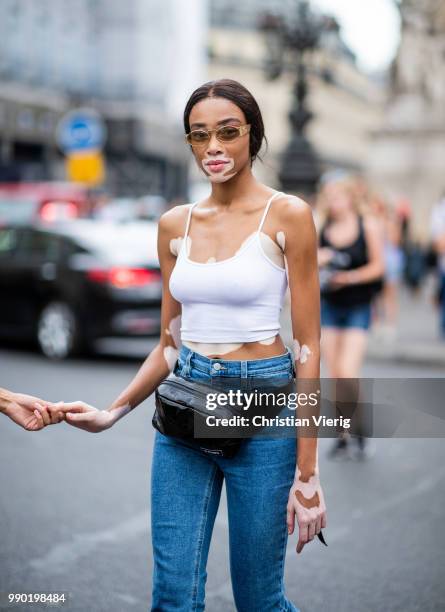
[{"x": 163, "y": 357}]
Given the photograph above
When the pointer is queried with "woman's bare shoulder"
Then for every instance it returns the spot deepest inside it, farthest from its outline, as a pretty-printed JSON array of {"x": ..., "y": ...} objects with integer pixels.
[
  {"x": 293, "y": 209},
  {"x": 174, "y": 220}
]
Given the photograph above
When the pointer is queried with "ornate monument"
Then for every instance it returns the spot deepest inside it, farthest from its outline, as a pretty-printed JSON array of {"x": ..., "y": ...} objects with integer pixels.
[
  {"x": 289, "y": 43},
  {"x": 408, "y": 153},
  {"x": 418, "y": 71}
]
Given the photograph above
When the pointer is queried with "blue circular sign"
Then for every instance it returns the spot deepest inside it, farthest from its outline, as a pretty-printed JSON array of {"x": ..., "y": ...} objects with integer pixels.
[{"x": 81, "y": 129}]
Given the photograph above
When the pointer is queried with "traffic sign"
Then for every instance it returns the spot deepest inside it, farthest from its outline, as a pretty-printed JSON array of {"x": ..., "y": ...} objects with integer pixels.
[
  {"x": 81, "y": 129},
  {"x": 86, "y": 167}
]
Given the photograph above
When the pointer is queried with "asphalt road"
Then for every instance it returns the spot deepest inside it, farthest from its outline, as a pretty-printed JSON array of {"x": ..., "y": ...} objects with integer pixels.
[{"x": 74, "y": 508}]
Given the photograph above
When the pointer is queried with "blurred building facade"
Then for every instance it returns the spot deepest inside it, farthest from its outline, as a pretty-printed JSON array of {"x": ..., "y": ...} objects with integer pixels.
[
  {"x": 118, "y": 58},
  {"x": 346, "y": 103},
  {"x": 408, "y": 153}
]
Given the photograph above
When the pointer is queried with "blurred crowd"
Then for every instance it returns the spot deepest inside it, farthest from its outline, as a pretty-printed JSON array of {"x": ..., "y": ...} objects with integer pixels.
[
  {"x": 366, "y": 255},
  {"x": 406, "y": 261}
]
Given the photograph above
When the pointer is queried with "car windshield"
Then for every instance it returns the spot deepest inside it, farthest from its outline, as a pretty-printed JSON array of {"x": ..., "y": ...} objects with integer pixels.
[
  {"x": 130, "y": 244},
  {"x": 127, "y": 209},
  {"x": 16, "y": 210}
]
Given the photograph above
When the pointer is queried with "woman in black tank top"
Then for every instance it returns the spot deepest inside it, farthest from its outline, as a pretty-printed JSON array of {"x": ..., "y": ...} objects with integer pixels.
[
  {"x": 350, "y": 257},
  {"x": 351, "y": 270}
]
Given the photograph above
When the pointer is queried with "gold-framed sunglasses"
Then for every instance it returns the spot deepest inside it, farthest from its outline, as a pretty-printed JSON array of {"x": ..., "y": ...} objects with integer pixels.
[{"x": 225, "y": 133}]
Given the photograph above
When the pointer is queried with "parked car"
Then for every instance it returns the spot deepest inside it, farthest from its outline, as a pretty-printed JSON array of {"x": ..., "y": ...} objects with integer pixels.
[
  {"x": 148, "y": 207},
  {"x": 45, "y": 201},
  {"x": 68, "y": 284}
]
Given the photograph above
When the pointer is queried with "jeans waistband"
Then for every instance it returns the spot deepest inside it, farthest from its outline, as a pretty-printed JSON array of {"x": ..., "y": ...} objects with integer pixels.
[{"x": 249, "y": 368}]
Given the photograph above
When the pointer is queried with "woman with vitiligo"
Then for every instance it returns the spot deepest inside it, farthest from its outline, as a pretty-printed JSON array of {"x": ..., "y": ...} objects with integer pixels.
[{"x": 226, "y": 264}]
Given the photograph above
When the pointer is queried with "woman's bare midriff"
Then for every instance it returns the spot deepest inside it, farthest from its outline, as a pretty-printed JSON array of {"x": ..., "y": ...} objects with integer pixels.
[{"x": 262, "y": 349}]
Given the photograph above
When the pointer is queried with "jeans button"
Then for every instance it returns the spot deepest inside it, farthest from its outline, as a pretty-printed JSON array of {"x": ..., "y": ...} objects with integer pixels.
[{"x": 216, "y": 366}]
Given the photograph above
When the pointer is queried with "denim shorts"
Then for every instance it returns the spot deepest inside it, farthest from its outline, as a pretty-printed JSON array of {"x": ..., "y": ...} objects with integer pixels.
[
  {"x": 345, "y": 317},
  {"x": 186, "y": 486}
]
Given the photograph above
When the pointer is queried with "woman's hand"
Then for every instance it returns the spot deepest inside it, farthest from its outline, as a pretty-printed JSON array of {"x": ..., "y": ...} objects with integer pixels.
[
  {"x": 324, "y": 256},
  {"x": 306, "y": 500},
  {"x": 22, "y": 410},
  {"x": 84, "y": 416},
  {"x": 341, "y": 279}
]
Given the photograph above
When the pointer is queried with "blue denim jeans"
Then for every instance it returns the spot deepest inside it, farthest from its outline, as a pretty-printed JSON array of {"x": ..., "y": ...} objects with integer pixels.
[{"x": 185, "y": 493}]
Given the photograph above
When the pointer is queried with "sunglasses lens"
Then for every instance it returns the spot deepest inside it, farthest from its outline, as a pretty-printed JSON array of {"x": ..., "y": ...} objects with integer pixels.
[
  {"x": 198, "y": 136},
  {"x": 228, "y": 133}
]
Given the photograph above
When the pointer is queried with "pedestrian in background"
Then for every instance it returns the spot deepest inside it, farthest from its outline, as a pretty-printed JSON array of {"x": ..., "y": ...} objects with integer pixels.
[
  {"x": 387, "y": 302},
  {"x": 438, "y": 240},
  {"x": 351, "y": 258}
]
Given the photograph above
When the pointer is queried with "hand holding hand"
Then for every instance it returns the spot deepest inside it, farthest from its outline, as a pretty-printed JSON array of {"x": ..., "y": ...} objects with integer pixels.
[
  {"x": 306, "y": 500},
  {"x": 82, "y": 415},
  {"x": 22, "y": 410}
]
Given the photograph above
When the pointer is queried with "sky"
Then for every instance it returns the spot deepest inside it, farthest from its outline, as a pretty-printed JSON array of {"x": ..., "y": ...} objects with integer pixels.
[{"x": 369, "y": 27}]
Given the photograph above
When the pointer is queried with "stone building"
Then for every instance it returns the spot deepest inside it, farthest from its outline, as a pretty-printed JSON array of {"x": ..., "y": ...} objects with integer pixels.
[
  {"x": 407, "y": 158},
  {"x": 117, "y": 57}
]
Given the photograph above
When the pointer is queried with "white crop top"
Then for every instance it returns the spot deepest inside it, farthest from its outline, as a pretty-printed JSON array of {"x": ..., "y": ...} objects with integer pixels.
[{"x": 233, "y": 300}]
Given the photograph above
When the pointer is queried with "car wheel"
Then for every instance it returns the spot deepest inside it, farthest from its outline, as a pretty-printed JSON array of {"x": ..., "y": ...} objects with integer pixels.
[{"x": 58, "y": 331}]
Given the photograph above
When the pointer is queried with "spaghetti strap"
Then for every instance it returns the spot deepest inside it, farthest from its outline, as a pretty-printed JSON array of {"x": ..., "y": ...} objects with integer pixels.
[
  {"x": 188, "y": 220},
  {"x": 269, "y": 202}
]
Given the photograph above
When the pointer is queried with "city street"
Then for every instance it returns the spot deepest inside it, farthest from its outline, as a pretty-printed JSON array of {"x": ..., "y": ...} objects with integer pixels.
[
  {"x": 150, "y": 153},
  {"x": 74, "y": 512}
]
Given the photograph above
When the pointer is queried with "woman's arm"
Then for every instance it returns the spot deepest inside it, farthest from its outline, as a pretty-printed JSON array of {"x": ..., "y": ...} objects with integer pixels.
[
  {"x": 301, "y": 255},
  {"x": 162, "y": 359},
  {"x": 6, "y": 400},
  {"x": 306, "y": 497}
]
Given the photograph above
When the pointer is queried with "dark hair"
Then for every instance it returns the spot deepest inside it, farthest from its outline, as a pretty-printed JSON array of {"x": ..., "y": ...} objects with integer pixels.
[{"x": 239, "y": 95}]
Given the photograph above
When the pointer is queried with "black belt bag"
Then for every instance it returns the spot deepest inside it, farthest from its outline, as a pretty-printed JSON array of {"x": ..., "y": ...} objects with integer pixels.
[
  {"x": 181, "y": 409},
  {"x": 181, "y": 406}
]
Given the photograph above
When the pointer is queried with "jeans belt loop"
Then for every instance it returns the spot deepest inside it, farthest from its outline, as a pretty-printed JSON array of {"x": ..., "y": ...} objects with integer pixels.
[
  {"x": 243, "y": 369},
  {"x": 187, "y": 367}
]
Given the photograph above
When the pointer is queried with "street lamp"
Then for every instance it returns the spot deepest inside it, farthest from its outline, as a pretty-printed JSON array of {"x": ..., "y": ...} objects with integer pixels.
[{"x": 289, "y": 41}]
